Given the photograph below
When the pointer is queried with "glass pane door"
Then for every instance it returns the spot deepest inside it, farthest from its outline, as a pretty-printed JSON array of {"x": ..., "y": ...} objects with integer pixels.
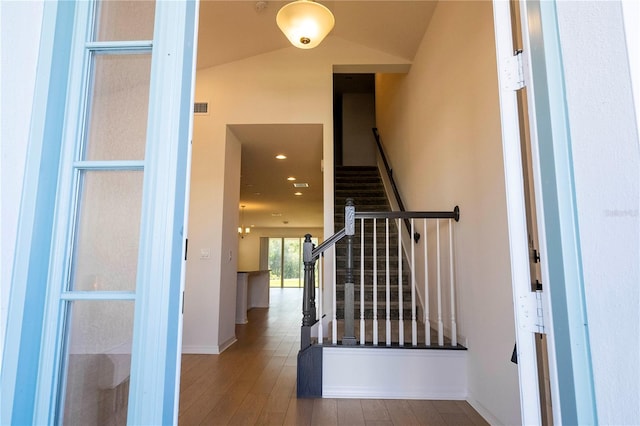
[
  {"x": 275, "y": 262},
  {"x": 285, "y": 262},
  {"x": 108, "y": 173},
  {"x": 95, "y": 328},
  {"x": 291, "y": 263}
]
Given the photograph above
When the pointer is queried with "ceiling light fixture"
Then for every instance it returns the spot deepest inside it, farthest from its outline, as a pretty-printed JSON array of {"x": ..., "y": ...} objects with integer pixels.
[
  {"x": 242, "y": 231},
  {"x": 305, "y": 23}
]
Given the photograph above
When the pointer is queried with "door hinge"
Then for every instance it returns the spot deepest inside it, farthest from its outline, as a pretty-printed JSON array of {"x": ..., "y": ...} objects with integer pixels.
[
  {"x": 513, "y": 72},
  {"x": 531, "y": 313},
  {"x": 535, "y": 256}
]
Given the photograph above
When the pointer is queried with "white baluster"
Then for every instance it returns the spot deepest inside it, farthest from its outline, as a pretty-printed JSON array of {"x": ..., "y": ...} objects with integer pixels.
[
  {"x": 414, "y": 324},
  {"x": 319, "y": 299},
  {"x": 334, "y": 323},
  {"x": 400, "y": 313},
  {"x": 375, "y": 282},
  {"x": 454, "y": 331},
  {"x": 362, "y": 329},
  {"x": 388, "y": 286},
  {"x": 427, "y": 321},
  {"x": 440, "y": 325}
]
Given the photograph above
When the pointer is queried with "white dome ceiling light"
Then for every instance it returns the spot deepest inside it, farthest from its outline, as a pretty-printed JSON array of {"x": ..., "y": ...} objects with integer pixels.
[{"x": 305, "y": 23}]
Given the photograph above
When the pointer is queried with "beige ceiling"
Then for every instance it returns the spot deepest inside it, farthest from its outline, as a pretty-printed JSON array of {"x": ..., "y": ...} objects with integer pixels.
[{"x": 238, "y": 29}]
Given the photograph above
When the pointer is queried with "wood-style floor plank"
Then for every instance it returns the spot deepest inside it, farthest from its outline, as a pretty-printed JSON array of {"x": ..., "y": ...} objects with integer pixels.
[
  {"x": 426, "y": 413},
  {"x": 374, "y": 410},
  {"x": 299, "y": 412},
  {"x": 325, "y": 412},
  {"x": 254, "y": 383},
  {"x": 400, "y": 412},
  {"x": 350, "y": 412}
]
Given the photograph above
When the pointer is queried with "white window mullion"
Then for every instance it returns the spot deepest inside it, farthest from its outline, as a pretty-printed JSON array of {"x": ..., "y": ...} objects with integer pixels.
[{"x": 49, "y": 370}]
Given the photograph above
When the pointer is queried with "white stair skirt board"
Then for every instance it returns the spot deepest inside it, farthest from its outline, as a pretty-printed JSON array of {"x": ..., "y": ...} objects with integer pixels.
[{"x": 391, "y": 373}]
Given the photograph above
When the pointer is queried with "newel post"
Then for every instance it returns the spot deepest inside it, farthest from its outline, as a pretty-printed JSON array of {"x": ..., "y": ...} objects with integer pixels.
[
  {"x": 350, "y": 230},
  {"x": 308, "y": 293}
]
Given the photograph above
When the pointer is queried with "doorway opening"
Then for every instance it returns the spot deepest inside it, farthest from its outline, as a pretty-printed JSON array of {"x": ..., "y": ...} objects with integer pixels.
[{"x": 286, "y": 269}]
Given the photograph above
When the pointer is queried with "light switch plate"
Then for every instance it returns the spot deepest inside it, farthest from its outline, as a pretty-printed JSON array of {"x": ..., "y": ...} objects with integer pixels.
[{"x": 205, "y": 253}]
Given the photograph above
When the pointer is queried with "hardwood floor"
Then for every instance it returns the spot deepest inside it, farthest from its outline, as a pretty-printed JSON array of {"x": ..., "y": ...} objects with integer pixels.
[{"x": 254, "y": 383}]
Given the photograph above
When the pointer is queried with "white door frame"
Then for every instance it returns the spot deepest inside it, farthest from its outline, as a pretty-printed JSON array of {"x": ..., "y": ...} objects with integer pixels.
[
  {"x": 563, "y": 303},
  {"x": 29, "y": 387}
]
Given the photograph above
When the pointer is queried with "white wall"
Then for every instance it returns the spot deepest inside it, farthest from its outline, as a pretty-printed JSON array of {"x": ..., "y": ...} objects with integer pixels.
[
  {"x": 604, "y": 139},
  {"x": 284, "y": 86},
  {"x": 212, "y": 258},
  {"x": 229, "y": 255},
  {"x": 20, "y": 26},
  {"x": 441, "y": 127}
]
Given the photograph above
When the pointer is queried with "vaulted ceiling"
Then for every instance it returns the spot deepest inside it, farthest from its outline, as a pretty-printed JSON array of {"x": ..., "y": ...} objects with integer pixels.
[
  {"x": 232, "y": 30},
  {"x": 237, "y": 29}
]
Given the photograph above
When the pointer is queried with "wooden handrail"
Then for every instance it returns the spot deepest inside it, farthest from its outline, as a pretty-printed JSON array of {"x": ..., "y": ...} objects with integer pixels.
[{"x": 454, "y": 214}]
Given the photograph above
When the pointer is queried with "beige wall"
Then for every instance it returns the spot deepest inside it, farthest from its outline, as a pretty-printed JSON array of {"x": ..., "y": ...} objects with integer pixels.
[
  {"x": 285, "y": 86},
  {"x": 441, "y": 127},
  {"x": 358, "y": 143}
]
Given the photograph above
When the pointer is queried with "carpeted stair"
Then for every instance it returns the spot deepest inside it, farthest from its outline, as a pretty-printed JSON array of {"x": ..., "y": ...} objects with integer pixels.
[{"x": 365, "y": 187}]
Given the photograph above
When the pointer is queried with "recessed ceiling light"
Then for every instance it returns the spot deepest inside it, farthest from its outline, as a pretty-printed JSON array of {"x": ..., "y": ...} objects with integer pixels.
[
  {"x": 291, "y": 178},
  {"x": 297, "y": 193},
  {"x": 276, "y": 214},
  {"x": 281, "y": 157},
  {"x": 301, "y": 185}
]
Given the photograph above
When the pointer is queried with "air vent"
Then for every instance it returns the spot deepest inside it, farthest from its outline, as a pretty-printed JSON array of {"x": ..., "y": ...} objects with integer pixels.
[
  {"x": 201, "y": 108},
  {"x": 301, "y": 185}
]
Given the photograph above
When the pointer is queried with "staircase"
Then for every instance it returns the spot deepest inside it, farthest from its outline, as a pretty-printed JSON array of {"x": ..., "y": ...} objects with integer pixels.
[
  {"x": 392, "y": 356},
  {"x": 365, "y": 187}
]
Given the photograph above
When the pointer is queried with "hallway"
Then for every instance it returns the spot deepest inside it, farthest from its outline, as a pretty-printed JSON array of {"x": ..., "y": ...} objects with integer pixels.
[{"x": 254, "y": 382}]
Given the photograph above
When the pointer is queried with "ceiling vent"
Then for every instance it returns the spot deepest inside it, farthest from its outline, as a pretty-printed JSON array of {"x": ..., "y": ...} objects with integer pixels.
[
  {"x": 301, "y": 185},
  {"x": 201, "y": 108}
]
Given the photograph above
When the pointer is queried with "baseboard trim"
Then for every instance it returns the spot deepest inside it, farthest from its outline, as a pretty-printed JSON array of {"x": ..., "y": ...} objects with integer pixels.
[
  {"x": 199, "y": 349},
  {"x": 208, "y": 349},
  {"x": 346, "y": 392},
  {"x": 490, "y": 418},
  {"x": 226, "y": 344}
]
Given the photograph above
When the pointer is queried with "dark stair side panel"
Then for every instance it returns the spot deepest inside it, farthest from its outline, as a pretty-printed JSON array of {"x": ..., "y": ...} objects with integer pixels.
[{"x": 309, "y": 383}]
